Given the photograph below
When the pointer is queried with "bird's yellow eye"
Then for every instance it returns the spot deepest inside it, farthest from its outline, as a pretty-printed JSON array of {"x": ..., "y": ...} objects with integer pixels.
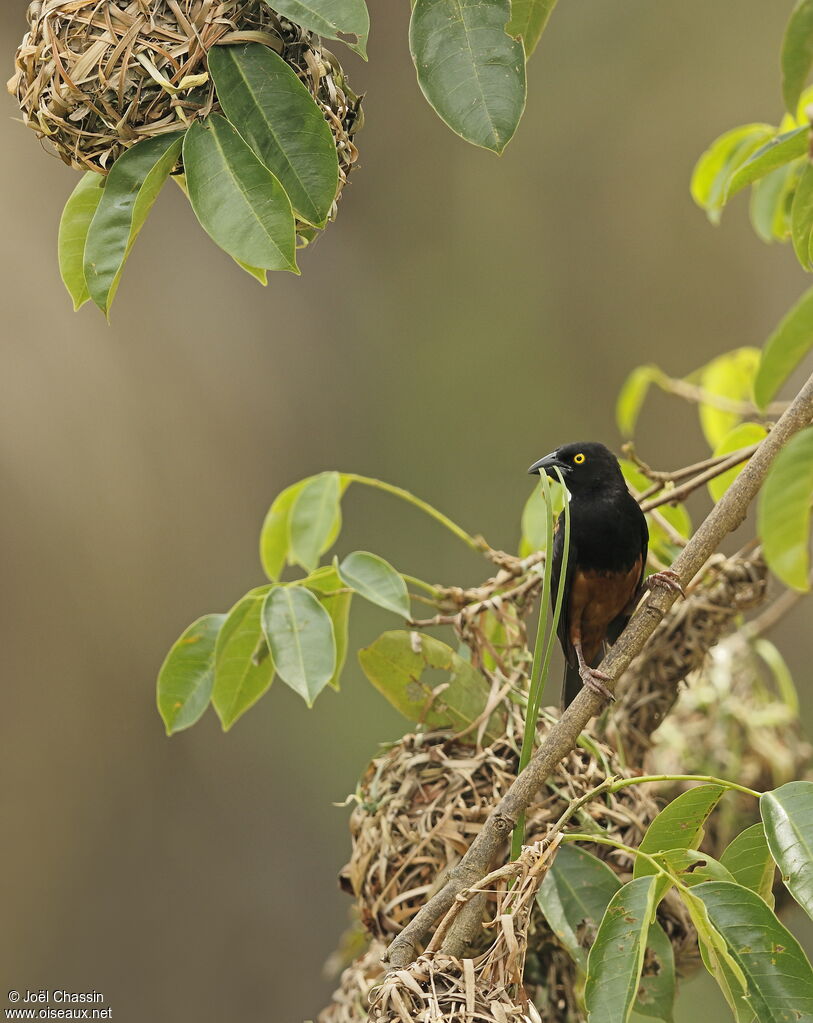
[{"x": 578, "y": 459}]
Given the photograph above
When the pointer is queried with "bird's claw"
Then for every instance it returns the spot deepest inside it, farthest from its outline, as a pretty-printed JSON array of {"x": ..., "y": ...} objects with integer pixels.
[
  {"x": 668, "y": 579},
  {"x": 594, "y": 680}
]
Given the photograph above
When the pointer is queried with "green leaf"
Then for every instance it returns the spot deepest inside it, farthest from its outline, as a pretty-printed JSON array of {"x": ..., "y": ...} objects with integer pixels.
[
  {"x": 239, "y": 203},
  {"x": 679, "y": 825},
  {"x": 132, "y": 187},
  {"x": 729, "y": 376},
  {"x": 749, "y": 860},
  {"x": 693, "y": 867},
  {"x": 717, "y": 166},
  {"x": 741, "y": 436},
  {"x": 787, "y": 814},
  {"x": 717, "y": 958},
  {"x": 783, "y": 512},
  {"x": 770, "y": 205},
  {"x": 778, "y": 976},
  {"x": 534, "y": 518},
  {"x": 187, "y": 674},
  {"x": 259, "y": 273},
  {"x": 574, "y": 897},
  {"x": 275, "y": 536},
  {"x": 528, "y": 21},
  {"x": 677, "y": 516},
  {"x": 276, "y": 115},
  {"x": 243, "y": 667},
  {"x": 377, "y": 581},
  {"x": 777, "y": 152},
  {"x": 428, "y": 682},
  {"x": 801, "y": 217},
  {"x": 333, "y": 19},
  {"x": 797, "y": 53},
  {"x": 631, "y": 397},
  {"x": 617, "y": 956},
  {"x": 73, "y": 231},
  {"x": 300, "y": 634},
  {"x": 335, "y": 598},
  {"x": 470, "y": 71},
  {"x": 778, "y": 667},
  {"x": 315, "y": 519},
  {"x": 785, "y": 349}
]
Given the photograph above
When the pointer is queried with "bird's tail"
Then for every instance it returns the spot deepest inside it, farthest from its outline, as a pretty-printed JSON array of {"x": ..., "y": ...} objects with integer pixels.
[{"x": 572, "y": 685}]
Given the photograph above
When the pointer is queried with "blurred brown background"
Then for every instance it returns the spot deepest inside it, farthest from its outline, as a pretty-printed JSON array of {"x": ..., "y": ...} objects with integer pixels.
[{"x": 463, "y": 316}]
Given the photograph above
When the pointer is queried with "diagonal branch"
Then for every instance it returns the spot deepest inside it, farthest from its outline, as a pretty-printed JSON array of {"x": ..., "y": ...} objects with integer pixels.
[{"x": 724, "y": 518}]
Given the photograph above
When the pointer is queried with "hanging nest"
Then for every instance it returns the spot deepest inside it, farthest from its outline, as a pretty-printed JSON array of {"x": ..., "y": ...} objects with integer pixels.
[
  {"x": 733, "y": 721},
  {"x": 351, "y": 1001},
  {"x": 95, "y": 78},
  {"x": 679, "y": 646},
  {"x": 421, "y": 803},
  {"x": 489, "y": 987}
]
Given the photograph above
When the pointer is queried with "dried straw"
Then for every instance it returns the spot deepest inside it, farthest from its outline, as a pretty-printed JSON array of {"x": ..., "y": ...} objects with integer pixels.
[
  {"x": 423, "y": 801},
  {"x": 96, "y": 76}
]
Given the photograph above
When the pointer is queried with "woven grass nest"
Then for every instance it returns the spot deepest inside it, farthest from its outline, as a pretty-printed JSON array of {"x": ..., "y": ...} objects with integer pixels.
[
  {"x": 422, "y": 802},
  {"x": 96, "y": 76}
]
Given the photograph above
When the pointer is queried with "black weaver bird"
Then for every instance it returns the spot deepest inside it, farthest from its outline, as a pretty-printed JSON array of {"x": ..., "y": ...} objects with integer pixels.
[{"x": 609, "y": 538}]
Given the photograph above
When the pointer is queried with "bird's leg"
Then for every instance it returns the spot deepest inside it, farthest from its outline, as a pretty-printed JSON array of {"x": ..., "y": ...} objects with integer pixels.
[
  {"x": 667, "y": 578},
  {"x": 592, "y": 677}
]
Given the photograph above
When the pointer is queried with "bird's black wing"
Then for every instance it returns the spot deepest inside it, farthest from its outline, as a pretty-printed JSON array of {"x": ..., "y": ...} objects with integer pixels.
[{"x": 617, "y": 626}]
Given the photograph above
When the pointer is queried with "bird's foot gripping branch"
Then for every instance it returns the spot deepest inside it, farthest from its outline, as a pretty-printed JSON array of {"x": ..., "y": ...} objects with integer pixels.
[{"x": 435, "y": 813}]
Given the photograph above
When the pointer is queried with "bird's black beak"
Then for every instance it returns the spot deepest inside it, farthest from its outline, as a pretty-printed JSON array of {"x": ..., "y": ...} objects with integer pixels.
[{"x": 547, "y": 465}]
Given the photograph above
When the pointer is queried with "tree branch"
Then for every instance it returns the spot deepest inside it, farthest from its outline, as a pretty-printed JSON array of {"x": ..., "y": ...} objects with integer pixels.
[{"x": 724, "y": 518}]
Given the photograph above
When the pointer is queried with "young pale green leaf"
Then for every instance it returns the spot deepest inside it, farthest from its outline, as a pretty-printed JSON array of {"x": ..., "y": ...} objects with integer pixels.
[
  {"x": 534, "y": 518},
  {"x": 741, "y": 436},
  {"x": 528, "y": 21},
  {"x": 335, "y": 598},
  {"x": 783, "y": 512},
  {"x": 300, "y": 634},
  {"x": 631, "y": 397},
  {"x": 276, "y": 115},
  {"x": 377, "y": 581},
  {"x": 187, "y": 674},
  {"x": 776, "y": 152},
  {"x": 334, "y": 19},
  {"x": 677, "y": 516},
  {"x": 679, "y": 825},
  {"x": 730, "y": 376},
  {"x": 716, "y": 167},
  {"x": 778, "y": 667},
  {"x": 243, "y": 667},
  {"x": 750, "y": 863},
  {"x": 404, "y": 667},
  {"x": 471, "y": 72},
  {"x": 73, "y": 231},
  {"x": 797, "y": 53},
  {"x": 771, "y": 199},
  {"x": 785, "y": 349},
  {"x": 801, "y": 217},
  {"x": 132, "y": 187},
  {"x": 574, "y": 897},
  {"x": 778, "y": 976},
  {"x": 315, "y": 520},
  {"x": 787, "y": 814},
  {"x": 238, "y": 201},
  {"x": 617, "y": 957},
  {"x": 275, "y": 536},
  {"x": 717, "y": 959}
]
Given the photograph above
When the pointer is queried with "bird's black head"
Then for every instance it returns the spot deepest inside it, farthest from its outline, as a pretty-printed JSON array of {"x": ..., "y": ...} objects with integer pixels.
[{"x": 586, "y": 466}]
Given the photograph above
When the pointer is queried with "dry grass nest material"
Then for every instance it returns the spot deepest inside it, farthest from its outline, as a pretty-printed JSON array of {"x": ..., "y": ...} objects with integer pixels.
[
  {"x": 94, "y": 78},
  {"x": 422, "y": 802}
]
